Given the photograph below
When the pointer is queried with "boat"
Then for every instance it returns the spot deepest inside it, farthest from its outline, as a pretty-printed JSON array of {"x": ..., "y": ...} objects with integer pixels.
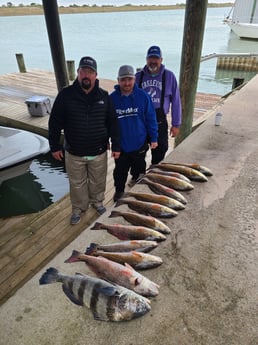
[
  {"x": 243, "y": 19},
  {"x": 18, "y": 148}
]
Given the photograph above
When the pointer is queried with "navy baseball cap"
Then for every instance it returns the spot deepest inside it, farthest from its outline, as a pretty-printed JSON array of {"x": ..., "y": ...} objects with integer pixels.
[
  {"x": 154, "y": 51},
  {"x": 89, "y": 62}
]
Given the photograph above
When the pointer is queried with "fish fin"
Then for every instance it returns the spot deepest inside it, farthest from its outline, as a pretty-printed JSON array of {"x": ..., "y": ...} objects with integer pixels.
[
  {"x": 138, "y": 254},
  {"x": 91, "y": 249},
  {"x": 114, "y": 214},
  {"x": 73, "y": 257},
  {"x": 96, "y": 226},
  {"x": 98, "y": 317},
  {"x": 71, "y": 296},
  {"x": 129, "y": 266},
  {"x": 50, "y": 276},
  {"x": 108, "y": 291}
]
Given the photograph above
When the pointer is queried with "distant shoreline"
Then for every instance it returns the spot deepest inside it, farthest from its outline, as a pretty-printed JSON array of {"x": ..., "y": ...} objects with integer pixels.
[{"x": 38, "y": 9}]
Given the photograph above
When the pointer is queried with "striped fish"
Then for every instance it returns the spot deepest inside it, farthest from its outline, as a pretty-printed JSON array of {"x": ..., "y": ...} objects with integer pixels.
[{"x": 107, "y": 302}]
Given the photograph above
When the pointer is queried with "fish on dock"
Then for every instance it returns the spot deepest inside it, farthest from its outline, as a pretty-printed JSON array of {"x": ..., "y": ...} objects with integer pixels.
[
  {"x": 130, "y": 232},
  {"x": 106, "y": 301},
  {"x": 163, "y": 190},
  {"x": 137, "y": 260},
  {"x": 148, "y": 208},
  {"x": 159, "y": 199},
  {"x": 203, "y": 169},
  {"x": 191, "y": 173},
  {"x": 142, "y": 220},
  {"x": 171, "y": 182},
  {"x": 169, "y": 173},
  {"x": 126, "y": 246},
  {"x": 117, "y": 273}
]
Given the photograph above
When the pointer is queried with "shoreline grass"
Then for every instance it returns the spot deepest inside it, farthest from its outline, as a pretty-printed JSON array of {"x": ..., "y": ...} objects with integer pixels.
[{"x": 38, "y": 9}]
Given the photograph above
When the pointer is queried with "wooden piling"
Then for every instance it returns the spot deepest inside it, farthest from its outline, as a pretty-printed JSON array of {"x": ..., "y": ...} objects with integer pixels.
[
  {"x": 20, "y": 61},
  {"x": 71, "y": 69}
]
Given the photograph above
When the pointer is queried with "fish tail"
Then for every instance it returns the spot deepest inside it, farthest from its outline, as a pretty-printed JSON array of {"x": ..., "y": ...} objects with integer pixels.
[
  {"x": 126, "y": 195},
  {"x": 96, "y": 226},
  {"x": 119, "y": 202},
  {"x": 50, "y": 276},
  {"x": 114, "y": 214},
  {"x": 73, "y": 257},
  {"x": 143, "y": 180},
  {"x": 91, "y": 249}
]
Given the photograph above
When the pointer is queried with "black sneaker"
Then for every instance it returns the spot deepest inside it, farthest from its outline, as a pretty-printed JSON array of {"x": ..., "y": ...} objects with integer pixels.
[
  {"x": 75, "y": 219},
  {"x": 100, "y": 209},
  {"x": 117, "y": 196}
]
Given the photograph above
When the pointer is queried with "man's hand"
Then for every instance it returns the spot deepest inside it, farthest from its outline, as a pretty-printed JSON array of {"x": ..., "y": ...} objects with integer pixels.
[
  {"x": 153, "y": 145},
  {"x": 115, "y": 155},
  {"x": 174, "y": 131},
  {"x": 58, "y": 155}
]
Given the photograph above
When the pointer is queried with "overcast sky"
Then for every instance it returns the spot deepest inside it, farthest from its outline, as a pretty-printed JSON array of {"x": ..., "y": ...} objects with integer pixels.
[{"x": 107, "y": 2}]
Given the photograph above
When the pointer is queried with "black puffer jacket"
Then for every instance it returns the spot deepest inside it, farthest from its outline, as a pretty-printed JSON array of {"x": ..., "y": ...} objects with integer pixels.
[{"x": 88, "y": 121}]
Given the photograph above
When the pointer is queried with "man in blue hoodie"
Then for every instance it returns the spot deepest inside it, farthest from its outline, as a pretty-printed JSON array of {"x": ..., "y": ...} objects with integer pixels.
[
  {"x": 137, "y": 121},
  {"x": 161, "y": 84}
]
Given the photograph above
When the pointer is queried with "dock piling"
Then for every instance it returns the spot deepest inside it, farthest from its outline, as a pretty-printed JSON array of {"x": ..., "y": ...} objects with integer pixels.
[{"x": 20, "y": 61}]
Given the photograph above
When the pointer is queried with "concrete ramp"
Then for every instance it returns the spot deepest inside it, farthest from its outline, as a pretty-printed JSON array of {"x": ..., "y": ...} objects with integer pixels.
[{"x": 208, "y": 281}]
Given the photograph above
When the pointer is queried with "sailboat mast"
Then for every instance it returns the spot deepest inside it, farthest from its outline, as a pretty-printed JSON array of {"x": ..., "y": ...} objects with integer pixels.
[{"x": 253, "y": 11}]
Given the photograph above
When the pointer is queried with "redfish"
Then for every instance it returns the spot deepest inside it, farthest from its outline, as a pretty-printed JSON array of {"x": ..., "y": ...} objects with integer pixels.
[
  {"x": 169, "y": 173},
  {"x": 130, "y": 232},
  {"x": 126, "y": 246},
  {"x": 171, "y": 182},
  {"x": 203, "y": 169},
  {"x": 140, "y": 219},
  {"x": 116, "y": 273},
  {"x": 107, "y": 302},
  {"x": 159, "y": 199},
  {"x": 139, "y": 261},
  {"x": 163, "y": 190},
  {"x": 148, "y": 208},
  {"x": 191, "y": 173}
]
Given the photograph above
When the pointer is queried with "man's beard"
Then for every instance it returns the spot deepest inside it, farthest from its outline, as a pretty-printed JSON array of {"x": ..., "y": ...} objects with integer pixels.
[
  {"x": 86, "y": 83},
  {"x": 153, "y": 68}
]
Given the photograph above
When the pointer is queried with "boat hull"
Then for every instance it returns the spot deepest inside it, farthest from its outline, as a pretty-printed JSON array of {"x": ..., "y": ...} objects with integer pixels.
[
  {"x": 244, "y": 30},
  {"x": 17, "y": 150}
]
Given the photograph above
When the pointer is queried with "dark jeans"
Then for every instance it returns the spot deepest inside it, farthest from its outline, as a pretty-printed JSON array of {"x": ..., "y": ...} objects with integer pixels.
[
  {"x": 159, "y": 152},
  {"x": 134, "y": 160}
]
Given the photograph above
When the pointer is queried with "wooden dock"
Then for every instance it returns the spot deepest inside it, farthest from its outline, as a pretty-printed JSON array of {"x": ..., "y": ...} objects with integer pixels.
[{"x": 28, "y": 242}]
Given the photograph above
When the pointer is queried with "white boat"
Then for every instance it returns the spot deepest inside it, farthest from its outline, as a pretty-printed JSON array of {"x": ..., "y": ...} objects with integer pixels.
[
  {"x": 17, "y": 150},
  {"x": 243, "y": 19}
]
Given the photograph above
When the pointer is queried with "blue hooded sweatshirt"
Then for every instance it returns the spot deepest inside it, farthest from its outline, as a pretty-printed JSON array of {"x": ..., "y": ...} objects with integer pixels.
[{"x": 137, "y": 118}]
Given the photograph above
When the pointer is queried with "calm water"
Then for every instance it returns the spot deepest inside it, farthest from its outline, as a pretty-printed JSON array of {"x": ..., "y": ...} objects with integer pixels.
[
  {"x": 113, "y": 39},
  {"x": 44, "y": 183}
]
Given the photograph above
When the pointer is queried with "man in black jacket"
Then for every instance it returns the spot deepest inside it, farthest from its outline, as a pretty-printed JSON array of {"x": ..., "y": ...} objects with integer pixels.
[{"x": 86, "y": 114}]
